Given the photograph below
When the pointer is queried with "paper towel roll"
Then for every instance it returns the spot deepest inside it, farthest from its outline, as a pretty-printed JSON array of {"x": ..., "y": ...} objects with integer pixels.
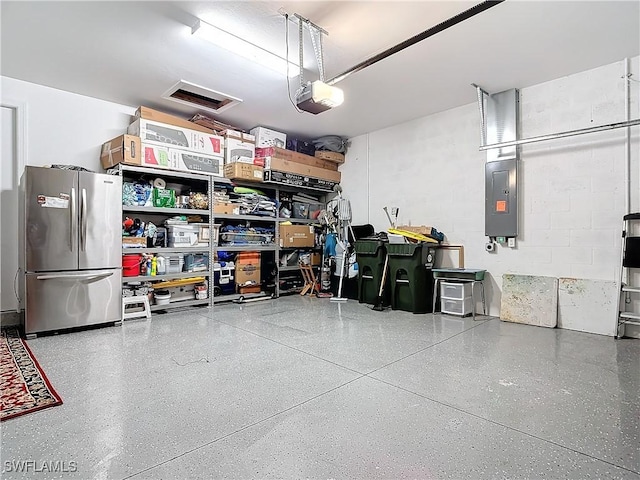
[{"x": 159, "y": 183}]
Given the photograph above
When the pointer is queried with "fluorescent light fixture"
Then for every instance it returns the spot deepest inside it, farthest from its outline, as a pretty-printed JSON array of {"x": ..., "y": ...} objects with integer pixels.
[
  {"x": 318, "y": 97},
  {"x": 245, "y": 49}
]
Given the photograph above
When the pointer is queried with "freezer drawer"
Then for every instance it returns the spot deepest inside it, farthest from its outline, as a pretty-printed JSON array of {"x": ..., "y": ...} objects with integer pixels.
[{"x": 59, "y": 300}]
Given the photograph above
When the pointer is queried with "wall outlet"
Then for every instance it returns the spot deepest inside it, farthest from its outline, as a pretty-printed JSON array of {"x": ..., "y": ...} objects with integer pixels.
[{"x": 511, "y": 242}]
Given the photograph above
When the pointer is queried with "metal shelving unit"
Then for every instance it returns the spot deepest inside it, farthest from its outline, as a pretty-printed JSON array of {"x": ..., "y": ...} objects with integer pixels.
[
  {"x": 212, "y": 219},
  {"x": 205, "y": 184}
]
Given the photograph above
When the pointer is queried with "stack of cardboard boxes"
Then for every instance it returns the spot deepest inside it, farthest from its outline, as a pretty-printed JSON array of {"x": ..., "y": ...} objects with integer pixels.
[{"x": 159, "y": 140}]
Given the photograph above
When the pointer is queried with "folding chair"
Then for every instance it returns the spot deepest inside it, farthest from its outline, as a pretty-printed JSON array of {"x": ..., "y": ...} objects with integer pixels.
[{"x": 309, "y": 277}]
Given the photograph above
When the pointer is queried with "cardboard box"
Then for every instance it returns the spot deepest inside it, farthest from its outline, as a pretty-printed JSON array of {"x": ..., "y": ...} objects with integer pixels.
[
  {"x": 301, "y": 146},
  {"x": 239, "y": 147},
  {"x": 265, "y": 153},
  {"x": 184, "y": 161},
  {"x": 226, "y": 209},
  {"x": 297, "y": 236},
  {"x": 330, "y": 156},
  {"x": 165, "y": 135},
  {"x": 122, "y": 149},
  {"x": 316, "y": 259},
  {"x": 156, "y": 116},
  {"x": 248, "y": 268},
  {"x": 292, "y": 156},
  {"x": 265, "y": 137},
  {"x": 243, "y": 171},
  {"x": 281, "y": 165},
  {"x": 134, "y": 242},
  {"x": 295, "y": 180}
]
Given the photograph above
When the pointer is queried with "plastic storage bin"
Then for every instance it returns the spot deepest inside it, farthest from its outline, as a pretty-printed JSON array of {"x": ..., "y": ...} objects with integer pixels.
[
  {"x": 411, "y": 279},
  {"x": 174, "y": 262},
  {"x": 455, "y": 291},
  {"x": 196, "y": 262},
  {"x": 370, "y": 255},
  {"x": 461, "y": 307}
]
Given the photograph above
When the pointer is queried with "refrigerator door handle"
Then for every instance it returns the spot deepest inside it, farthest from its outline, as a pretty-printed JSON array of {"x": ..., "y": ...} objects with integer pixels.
[
  {"x": 88, "y": 276},
  {"x": 72, "y": 213},
  {"x": 83, "y": 220}
]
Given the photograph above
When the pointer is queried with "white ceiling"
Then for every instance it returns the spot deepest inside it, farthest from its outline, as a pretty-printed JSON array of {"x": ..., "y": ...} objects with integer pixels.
[{"x": 132, "y": 52}]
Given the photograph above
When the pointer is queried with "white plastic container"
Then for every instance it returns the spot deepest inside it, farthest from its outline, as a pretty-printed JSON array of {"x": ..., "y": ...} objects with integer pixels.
[{"x": 162, "y": 299}]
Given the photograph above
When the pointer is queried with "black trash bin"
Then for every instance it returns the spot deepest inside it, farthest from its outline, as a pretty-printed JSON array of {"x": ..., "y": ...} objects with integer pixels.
[
  {"x": 411, "y": 276},
  {"x": 370, "y": 255}
]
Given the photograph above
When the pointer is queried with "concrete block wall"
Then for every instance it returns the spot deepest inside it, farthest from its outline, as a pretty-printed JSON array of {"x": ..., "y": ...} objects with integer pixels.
[{"x": 571, "y": 191}]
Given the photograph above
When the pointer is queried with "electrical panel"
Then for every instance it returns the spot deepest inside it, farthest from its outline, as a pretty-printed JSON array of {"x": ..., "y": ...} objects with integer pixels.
[{"x": 501, "y": 198}]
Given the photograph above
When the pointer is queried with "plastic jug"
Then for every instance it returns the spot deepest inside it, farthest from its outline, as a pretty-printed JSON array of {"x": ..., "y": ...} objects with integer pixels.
[{"x": 161, "y": 266}]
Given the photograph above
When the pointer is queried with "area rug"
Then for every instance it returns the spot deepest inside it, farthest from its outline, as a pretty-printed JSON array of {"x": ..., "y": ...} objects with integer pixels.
[{"x": 24, "y": 386}]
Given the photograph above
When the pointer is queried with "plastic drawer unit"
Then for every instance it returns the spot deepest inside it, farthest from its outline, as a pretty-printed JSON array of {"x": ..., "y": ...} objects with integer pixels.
[{"x": 456, "y": 298}]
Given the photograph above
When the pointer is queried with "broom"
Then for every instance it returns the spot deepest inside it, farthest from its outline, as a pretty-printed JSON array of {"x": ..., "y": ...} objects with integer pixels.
[{"x": 379, "y": 304}]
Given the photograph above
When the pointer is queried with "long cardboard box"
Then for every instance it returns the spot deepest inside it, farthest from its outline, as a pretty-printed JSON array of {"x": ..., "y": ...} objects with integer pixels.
[
  {"x": 122, "y": 149},
  {"x": 295, "y": 180},
  {"x": 171, "y": 136},
  {"x": 285, "y": 154},
  {"x": 275, "y": 163},
  {"x": 303, "y": 159},
  {"x": 297, "y": 236},
  {"x": 184, "y": 161},
  {"x": 243, "y": 171},
  {"x": 157, "y": 116}
]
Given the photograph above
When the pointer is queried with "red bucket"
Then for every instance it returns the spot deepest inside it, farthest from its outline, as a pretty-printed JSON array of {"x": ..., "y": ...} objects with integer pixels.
[{"x": 131, "y": 265}]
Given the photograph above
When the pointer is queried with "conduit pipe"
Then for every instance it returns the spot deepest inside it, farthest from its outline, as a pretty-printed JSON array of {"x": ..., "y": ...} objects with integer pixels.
[
  {"x": 627, "y": 144},
  {"x": 569, "y": 133}
]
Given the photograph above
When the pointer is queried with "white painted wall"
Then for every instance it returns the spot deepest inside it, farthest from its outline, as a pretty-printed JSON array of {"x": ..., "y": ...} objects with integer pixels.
[
  {"x": 61, "y": 128},
  {"x": 571, "y": 191}
]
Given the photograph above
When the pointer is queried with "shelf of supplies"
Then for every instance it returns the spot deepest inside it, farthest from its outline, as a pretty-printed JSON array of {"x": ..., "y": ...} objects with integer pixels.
[
  {"x": 247, "y": 247},
  {"x": 167, "y": 276},
  {"x": 299, "y": 220},
  {"x": 171, "y": 173},
  {"x": 166, "y": 250},
  {"x": 255, "y": 218},
  {"x": 164, "y": 210},
  {"x": 182, "y": 303}
]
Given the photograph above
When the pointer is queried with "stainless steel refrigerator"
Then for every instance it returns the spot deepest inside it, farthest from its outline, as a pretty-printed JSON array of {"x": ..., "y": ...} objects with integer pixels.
[{"x": 73, "y": 248}]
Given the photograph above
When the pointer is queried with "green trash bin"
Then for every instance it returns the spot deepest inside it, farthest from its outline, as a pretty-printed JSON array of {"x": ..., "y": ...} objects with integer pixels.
[
  {"x": 370, "y": 255},
  {"x": 411, "y": 276}
]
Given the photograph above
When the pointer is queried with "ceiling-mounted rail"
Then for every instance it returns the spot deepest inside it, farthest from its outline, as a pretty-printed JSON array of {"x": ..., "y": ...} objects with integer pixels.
[
  {"x": 569, "y": 133},
  {"x": 450, "y": 22}
]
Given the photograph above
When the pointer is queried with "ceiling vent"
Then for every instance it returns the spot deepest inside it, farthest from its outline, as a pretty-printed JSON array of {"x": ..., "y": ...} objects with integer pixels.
[{"x": 200, "y": 97}]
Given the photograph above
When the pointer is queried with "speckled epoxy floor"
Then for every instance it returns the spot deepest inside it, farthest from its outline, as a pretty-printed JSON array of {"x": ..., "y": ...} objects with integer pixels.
[{"x": 305, "y": 388}]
